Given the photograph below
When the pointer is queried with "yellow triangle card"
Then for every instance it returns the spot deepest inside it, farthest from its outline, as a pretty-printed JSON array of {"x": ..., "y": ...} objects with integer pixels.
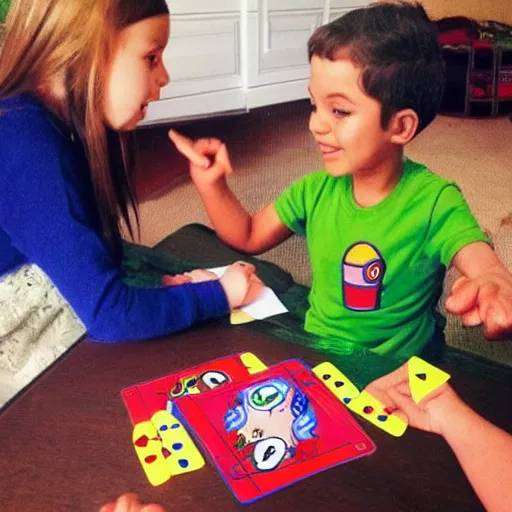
[
  {"x": 424, "y": 378},
  {"x": 252, "y": 363},
  {"x": 178, "y": 449},
  {"x": 239, "y": 317}
]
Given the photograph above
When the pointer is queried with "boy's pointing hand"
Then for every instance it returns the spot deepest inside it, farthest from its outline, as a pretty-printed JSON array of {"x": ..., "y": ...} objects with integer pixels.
[{"x": 208, "y": 157}]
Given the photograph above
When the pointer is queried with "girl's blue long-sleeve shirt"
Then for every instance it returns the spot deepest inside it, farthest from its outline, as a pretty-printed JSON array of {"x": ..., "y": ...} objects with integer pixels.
[{"x": 48, "y": 216}]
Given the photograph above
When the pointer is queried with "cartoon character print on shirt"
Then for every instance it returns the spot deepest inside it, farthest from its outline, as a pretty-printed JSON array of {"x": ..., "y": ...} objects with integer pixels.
[
  {"x": 362, "y": 273},
  {"x": 269, "y": 422}
]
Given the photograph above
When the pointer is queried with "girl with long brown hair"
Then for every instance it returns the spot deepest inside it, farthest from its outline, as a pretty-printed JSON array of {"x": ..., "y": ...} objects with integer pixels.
[{"x": 76, "y": 77}]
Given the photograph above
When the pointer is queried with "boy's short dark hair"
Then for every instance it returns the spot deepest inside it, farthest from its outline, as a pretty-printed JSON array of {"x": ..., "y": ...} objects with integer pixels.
[{"x": 396, "y": 47}]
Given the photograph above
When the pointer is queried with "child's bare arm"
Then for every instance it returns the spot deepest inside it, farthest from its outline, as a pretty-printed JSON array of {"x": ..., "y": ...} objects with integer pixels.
[
  {"x": 483, "y": 450},
  {"x": 484, "y": 293},
  {"x": 252, "y": 234},
  {"x": 209, "y": 165},
  {"x": 477, "y": 259}
]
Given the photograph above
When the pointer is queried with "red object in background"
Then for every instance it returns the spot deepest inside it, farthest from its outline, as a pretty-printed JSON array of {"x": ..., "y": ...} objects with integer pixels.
[
  {"x": 482, "y": 44},
  {"x": 456, "y": 30},
  {"x": 504, "y": 91},
  {"x": 455, "y": 37},
  {"x": 481, "y": 84}
]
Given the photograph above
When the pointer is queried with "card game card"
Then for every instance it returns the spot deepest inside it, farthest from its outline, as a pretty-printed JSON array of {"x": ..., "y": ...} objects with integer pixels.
[
  {"x": 272, "y": 429},
  {"x": 143, "y": 400}
]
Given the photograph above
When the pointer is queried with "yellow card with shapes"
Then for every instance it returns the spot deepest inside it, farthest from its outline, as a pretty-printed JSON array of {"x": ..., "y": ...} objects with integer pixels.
[
  {"x": 239, "y": 317},
  {"x": 252, "y": 363},
  {"x": 148, "y": 447},
  {"x": 181, "y": 454},
  {"x": 336, "y": 381},
  {"x": 424, "y": 378},
  {"x": 372, "y": 410}
]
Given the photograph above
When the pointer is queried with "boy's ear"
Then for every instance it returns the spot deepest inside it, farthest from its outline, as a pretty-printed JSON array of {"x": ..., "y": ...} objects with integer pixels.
[{"x": 404, "y": 126}]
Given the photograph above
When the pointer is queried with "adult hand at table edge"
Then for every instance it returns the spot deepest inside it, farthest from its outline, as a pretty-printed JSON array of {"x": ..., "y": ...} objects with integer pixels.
[{"x": 130, "y": 503}]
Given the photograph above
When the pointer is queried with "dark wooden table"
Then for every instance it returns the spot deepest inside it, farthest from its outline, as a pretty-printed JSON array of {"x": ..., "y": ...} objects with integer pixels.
[{"x": 66, "y": 441}]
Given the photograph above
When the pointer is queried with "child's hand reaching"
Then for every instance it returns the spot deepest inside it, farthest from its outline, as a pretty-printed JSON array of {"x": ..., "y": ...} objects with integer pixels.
[
  {"x": 484, "y": 300},
  {"x": 209, "y": 158},
  {"x": 130, "y": 503},
  {"x": 175, "y": 280},
  {"x": 483, "y": 450},
  {"x": 240, "y": 282},
  {"x": 198, "y": 275},
  {"x": 430, "y": 414}
]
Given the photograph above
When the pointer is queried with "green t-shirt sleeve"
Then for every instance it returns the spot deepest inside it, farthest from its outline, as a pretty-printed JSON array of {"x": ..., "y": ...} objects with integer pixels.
[
  {"x": 453, "y": 225},
  {"x": 291, "y": 206}
]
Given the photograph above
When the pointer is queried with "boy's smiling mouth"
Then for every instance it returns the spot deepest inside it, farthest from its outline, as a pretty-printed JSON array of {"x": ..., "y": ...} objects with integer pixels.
[{"x": 328, "y": 150}]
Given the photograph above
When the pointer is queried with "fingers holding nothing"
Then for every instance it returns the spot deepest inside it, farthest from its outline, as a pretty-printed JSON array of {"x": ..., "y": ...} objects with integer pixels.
[
  {"x": 472, "y": 318},
  {"x": 459, "y": 282},
  {"x": 498, "y": 321},
  {"x": 463, "y": 297}
]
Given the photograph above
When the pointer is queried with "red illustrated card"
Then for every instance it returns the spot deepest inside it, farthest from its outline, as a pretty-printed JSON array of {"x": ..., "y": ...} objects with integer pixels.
[
  {"x": 143, "y": 400},
  {"x": 272, "y": 429}
]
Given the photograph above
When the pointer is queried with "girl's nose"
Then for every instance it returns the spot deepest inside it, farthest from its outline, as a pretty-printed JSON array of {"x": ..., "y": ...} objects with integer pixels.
[{"x": 163, "y": 77}]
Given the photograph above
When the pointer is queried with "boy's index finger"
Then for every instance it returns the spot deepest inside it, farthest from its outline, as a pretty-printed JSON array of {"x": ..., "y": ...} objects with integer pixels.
[
  {"x": 185, "y": 146},
  {"x": 178, "y": 137}
]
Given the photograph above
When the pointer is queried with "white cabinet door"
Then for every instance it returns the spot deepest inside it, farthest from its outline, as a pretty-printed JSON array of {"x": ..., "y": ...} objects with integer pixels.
[
  {"x": 347, "y": 4},
  {"x": 234, "y": 55},
  {"x": 203, "y": 55},
  {"x": 277, "y": 64},
  {"x": 204, "y": 61},
  {"x": 203, "y": 6},
  {"x": 277, "y": 45},
  {"x": 285, "y": 5},
  {"x": 338, "y": 8}
]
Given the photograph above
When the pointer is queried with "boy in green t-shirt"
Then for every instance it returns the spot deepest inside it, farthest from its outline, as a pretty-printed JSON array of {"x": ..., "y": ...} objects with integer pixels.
[{"x": 380, "y": 229}]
